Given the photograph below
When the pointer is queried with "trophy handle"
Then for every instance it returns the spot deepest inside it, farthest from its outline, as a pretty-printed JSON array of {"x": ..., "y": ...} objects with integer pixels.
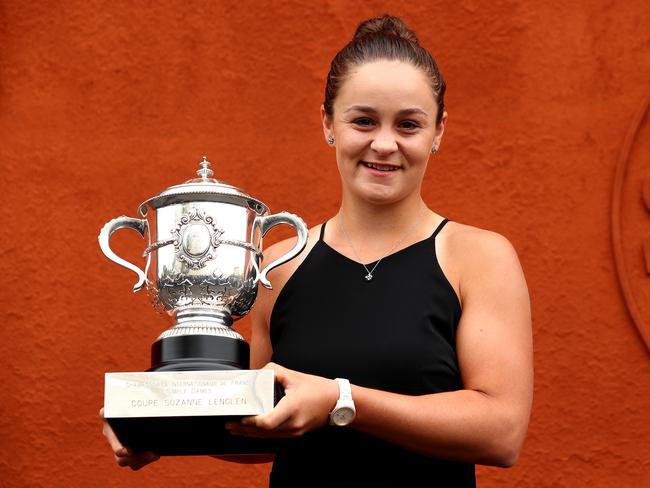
[
  {"x": 266, "y": 223},
  {"x": 123, "y": 222}
]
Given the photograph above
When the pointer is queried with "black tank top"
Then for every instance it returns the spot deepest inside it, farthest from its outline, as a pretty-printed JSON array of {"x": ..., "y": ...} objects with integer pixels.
[{"x": 395, "y": 333}]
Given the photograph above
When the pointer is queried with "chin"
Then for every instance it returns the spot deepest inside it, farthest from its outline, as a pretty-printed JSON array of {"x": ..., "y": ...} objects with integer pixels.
[{"x": 381, "y": 198}]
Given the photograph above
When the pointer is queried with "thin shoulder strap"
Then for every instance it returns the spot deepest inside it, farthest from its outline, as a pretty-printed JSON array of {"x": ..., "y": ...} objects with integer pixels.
[
  {"x": 439, "y": 228},
  {"x": 322, "y": 231}
]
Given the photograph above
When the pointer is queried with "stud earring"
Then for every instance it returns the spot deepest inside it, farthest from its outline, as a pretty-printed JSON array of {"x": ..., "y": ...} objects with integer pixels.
[
  {"x": 330, "y": 140},
  {"x": 434, "y": 149}
]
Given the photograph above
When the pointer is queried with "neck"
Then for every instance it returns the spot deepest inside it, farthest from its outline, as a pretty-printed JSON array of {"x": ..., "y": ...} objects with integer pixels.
[{"x": 372, "y": 230}]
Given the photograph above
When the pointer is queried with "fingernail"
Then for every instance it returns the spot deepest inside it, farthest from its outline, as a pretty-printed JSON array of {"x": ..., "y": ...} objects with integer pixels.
[{"x": 123, "y": 452}]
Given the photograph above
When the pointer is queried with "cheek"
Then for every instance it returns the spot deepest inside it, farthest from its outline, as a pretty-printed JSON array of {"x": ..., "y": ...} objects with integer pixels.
[
  {"x": 353, "y": 143},
  {"x": 418, "y": 153}
]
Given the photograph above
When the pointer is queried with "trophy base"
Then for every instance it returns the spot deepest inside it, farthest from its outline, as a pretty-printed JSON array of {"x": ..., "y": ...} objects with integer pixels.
[
  {"x": 187, "y": 436},
  {"x": 182, "y": 412}
]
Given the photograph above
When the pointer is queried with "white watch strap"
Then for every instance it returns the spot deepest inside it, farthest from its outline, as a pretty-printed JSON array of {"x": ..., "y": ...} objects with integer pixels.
[{"x": 345, "y": 391}]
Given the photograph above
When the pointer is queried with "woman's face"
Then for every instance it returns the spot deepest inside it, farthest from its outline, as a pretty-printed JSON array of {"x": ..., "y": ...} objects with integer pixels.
[{"x": 384, "y": 126}]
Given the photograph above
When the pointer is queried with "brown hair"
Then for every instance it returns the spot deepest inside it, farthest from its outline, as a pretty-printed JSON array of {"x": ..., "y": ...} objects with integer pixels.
[{"x": 386, "y": 38}]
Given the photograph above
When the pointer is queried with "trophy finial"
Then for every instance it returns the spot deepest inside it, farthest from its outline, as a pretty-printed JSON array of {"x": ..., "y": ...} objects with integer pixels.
[{"x": 205, "y": 172}]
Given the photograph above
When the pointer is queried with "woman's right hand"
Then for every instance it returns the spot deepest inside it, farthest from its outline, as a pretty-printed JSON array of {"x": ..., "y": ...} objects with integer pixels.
[{"x": 123, "y": 455}]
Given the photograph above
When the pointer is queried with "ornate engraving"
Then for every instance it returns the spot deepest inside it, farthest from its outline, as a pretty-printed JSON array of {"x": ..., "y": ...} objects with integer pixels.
[
  {"x": 154, "y": 298},
  {"x": 195, "y": 236},
  {"x": 247, "y": 292},
  {"x": 176, "y": 289}
]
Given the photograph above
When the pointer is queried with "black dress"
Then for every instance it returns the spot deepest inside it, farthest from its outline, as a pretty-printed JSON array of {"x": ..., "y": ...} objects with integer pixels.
[{"x": 395, "y": 333}]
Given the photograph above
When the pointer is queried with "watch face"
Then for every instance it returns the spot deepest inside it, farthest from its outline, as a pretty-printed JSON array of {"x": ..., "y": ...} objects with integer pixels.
[{"x": 343, "y": 416}]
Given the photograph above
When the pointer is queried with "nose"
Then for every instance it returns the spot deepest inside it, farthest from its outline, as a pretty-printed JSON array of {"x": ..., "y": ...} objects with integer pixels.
[{"x": 384, "y": 142}]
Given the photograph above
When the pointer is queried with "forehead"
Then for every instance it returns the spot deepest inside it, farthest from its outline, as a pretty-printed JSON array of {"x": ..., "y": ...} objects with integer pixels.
[{"x": 386, "y": 84}]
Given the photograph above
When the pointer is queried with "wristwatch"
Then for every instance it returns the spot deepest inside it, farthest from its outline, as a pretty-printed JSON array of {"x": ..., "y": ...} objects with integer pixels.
[{"x": 344, "y": 411}]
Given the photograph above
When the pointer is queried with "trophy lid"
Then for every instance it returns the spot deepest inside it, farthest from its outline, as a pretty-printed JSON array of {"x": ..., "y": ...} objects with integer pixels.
[{"x": 203, "y": 189}]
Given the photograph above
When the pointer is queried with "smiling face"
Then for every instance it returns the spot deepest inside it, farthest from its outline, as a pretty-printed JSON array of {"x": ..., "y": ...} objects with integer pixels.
[{"x": 384, "y": 126}]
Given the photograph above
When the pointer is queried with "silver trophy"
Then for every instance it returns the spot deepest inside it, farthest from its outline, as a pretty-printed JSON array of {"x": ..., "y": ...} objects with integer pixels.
[{"x": 202, "y": 267}]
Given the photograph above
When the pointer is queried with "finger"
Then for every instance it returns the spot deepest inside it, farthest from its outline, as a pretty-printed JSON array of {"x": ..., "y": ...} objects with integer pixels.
[
  {"x": 247, "y": 431},
  {"x": 271, "y": 365},
  {"x": 142, "y": 456},
  {"x": 250, "y": 431},
  {"x": 284, "y": 430},
  {"x": 123, "y": 461},
  {"x": 280, "y": 372},
  {"x": 142, "y": 459},
  {"x": 114, "y": 442},
  {"x": 270, "y": 420},
  {"x": 137, "y": 461},
  {"x": 237, "y": 428}
]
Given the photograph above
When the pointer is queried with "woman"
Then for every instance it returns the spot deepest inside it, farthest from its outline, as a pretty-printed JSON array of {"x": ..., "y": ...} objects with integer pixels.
[{"x": 403, "y": 340}]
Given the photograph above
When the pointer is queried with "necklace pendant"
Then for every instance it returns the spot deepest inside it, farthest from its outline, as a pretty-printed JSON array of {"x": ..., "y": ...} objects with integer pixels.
[{"x": 368, "y": 277}]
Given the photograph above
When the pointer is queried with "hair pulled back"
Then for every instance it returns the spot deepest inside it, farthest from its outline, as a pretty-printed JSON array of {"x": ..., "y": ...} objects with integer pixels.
[{"x": 383, "y": 38}]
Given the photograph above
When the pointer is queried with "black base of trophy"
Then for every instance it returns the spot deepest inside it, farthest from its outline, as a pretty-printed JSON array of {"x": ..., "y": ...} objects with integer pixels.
[
  {"x": 199, "y": 353},
  {"x": 187, "y": 436},
  {"x": 195, "y": 435}
]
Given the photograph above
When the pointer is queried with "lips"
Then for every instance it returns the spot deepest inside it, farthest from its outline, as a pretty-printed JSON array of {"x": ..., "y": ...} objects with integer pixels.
[{"x": 384, "y": 167}]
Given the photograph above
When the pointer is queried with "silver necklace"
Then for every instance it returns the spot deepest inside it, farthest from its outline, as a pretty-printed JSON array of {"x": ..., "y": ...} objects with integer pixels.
[{"x": 369, "y": 272}]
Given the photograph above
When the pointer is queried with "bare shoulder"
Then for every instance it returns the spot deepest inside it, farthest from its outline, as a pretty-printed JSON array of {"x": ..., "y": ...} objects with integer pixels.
[
  {"x": 475, "y": 246},
  {"x": 478, "y": 257}
]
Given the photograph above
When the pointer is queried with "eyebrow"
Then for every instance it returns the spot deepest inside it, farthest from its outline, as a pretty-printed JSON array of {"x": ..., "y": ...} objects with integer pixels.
[{"x": 371, "y": 110}]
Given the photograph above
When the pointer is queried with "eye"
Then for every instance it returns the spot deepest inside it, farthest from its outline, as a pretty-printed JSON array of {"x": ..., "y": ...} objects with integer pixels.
[
  {"x": 363, "y": 122},
  {"x": 409, "y": 125}
]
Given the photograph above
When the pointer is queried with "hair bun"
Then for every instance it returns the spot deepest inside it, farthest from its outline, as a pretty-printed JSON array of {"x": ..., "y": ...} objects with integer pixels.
[{"x": 386, "y": 25}]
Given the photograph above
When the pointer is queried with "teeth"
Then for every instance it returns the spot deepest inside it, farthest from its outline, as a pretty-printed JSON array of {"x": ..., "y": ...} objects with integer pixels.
[{"x": 381, "y": 168}]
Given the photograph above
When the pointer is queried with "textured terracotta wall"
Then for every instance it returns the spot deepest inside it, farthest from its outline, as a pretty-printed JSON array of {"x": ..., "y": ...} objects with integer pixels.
[{"x": 103, "y": 104}]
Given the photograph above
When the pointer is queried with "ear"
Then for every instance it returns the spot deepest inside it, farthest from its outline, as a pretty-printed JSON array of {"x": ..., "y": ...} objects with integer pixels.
[
  {"x": 327, "y": 123},
  {"x": 440, "y": 129}
]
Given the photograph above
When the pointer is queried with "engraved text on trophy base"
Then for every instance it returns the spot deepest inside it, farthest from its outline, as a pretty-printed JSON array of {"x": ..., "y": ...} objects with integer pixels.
[{"x": 188, "y": 393}]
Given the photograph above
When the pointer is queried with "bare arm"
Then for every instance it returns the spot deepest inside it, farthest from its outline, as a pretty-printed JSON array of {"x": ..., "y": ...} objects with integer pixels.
[{"x": 484, "y": 423}]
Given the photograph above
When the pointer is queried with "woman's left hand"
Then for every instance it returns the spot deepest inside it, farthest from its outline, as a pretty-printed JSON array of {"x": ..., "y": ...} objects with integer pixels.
[{"x": 306, "y": 405}]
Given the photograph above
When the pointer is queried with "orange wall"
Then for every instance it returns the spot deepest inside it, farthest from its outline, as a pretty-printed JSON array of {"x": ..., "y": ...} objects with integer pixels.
[{"x": 103, "y": 105}]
